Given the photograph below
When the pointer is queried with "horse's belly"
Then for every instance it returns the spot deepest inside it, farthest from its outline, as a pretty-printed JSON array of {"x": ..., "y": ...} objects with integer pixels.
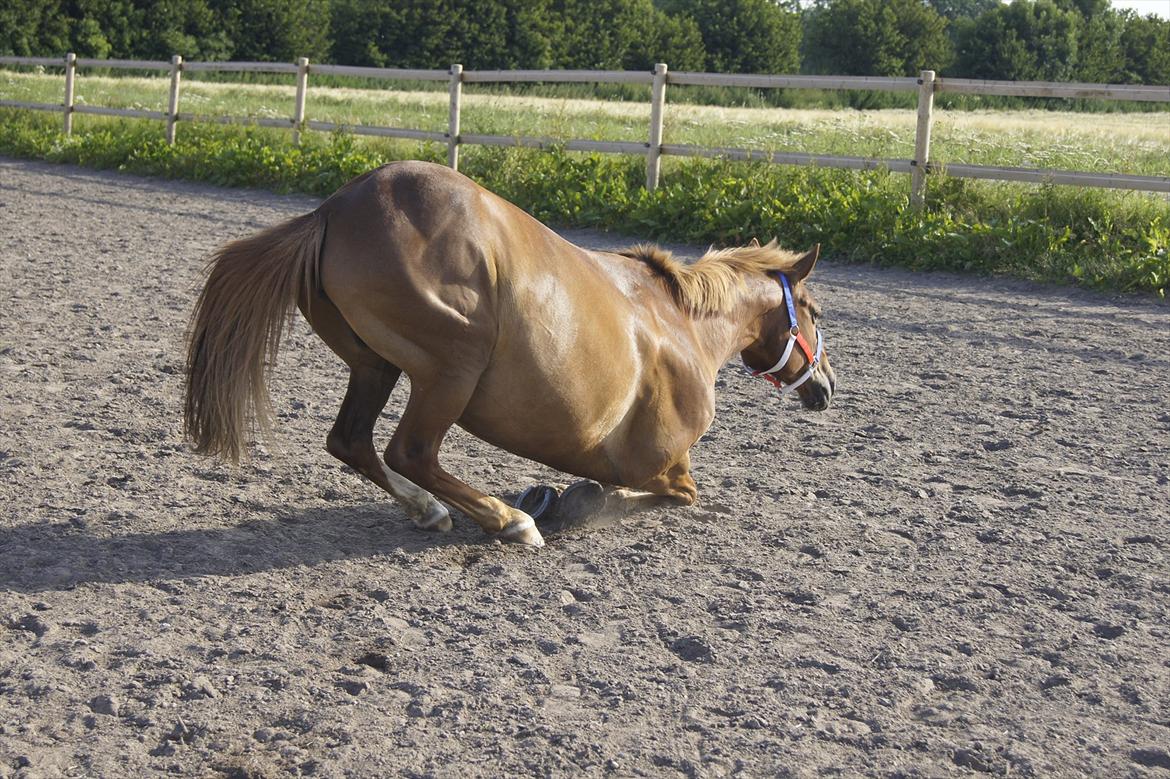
[{"x": 556, "y": 423}]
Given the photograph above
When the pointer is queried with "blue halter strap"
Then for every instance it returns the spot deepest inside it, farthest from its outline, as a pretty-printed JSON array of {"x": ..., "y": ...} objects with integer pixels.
[{"x": 795, "y": 338}]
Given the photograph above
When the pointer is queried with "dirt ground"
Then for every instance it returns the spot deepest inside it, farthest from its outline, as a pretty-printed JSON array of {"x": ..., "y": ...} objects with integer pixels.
[{"x": 960, "y": 568}]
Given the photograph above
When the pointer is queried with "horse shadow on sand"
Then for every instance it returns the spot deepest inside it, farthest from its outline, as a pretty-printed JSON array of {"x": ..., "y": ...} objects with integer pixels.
[{"x": 61, "y": 555}]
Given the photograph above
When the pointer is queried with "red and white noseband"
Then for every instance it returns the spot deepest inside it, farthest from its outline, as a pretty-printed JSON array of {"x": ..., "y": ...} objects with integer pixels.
[{"x": 795, "y": 338}]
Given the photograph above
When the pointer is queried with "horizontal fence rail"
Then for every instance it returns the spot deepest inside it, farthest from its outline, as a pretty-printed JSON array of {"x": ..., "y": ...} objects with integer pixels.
[
  {"x": 31, "y": 106},
  {"x": 123, "y": 64},
  {"x": 46, "y": 62},
  {"x": 877, "y": 83},
  {"x": 237, "y": 67},
  {"x": 383, "y": 132},
  {"x": 788, "y": 158},
  {"x": 389, "y": 74},
  {"x": 1045, "y": 176},
  {"x": 968, "y": 86},
  {"x": 129, "y": 113},
  {"x": 919, "y": 168}
]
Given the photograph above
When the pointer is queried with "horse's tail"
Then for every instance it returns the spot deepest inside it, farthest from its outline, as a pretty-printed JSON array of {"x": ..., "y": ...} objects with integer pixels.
[{"x": 252, "y": 286}]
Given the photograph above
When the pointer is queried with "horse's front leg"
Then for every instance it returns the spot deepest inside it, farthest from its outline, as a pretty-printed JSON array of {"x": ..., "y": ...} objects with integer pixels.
[
  {"x": 434, "y": 406},
  {"x": 672, "y": 487},
  {"x": 588, "y": 504}
]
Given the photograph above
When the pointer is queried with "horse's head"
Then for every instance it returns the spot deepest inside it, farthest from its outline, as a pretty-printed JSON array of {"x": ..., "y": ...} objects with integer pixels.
[{"x": 789, "y": 349}]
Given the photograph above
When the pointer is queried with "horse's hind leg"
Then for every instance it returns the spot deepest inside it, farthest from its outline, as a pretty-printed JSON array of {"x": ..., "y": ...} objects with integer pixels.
[
  {"x": 435, "y": 406},
  {"x": 351, "y": 439}
]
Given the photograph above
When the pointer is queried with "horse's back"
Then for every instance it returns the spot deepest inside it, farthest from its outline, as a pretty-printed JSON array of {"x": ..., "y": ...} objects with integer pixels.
[{"x": 419, "y": 245}]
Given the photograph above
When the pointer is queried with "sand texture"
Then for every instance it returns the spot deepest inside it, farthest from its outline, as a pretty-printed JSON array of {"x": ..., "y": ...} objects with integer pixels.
[{"x": 960, "y": 568}]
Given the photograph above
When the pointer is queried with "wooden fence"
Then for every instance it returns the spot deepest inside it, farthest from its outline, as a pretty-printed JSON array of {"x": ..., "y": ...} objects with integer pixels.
[{"x": 926, "y": 86}]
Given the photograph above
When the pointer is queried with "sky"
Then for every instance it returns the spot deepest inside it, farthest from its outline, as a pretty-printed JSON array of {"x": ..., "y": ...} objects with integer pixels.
[{"x": 1144, "y": 7}]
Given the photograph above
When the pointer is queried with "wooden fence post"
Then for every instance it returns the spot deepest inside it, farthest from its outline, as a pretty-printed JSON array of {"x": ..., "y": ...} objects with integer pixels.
[
  {"x": 173, "y": 100},
  {"x": 921, "y": 159},
  {"x": 70, "y": 69},
  {"x": 456, "y": 90},
  {"x": 299, "y": 108},
  {"x": 657, "y": 102}
]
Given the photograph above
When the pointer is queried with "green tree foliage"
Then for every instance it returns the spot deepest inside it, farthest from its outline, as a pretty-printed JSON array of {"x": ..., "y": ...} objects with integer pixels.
[
  {"x": 616, "y": 34},
  {"x": 745, "y": 36},
  {"x": 673, "y": 39},
  {"x": 1086, "y": 8},
  {"x": 1146, "y": 43},
  {"x": 125, "y": 29},
  {"x": 103, "y": 28},
  {"x": 33, "y": 28},
  {"x": 1048, "y": 40},
  {"x": 1100, "y": 56},
  {"x": 276, "y": 30},
  {"x": 597, "y": 34},
  {"x": 436, "y": 33},
  {"x": 876, "y": 38},
  {"x": 586, "y": 34},
  {"x": 1029, "y": 40},
  {"x": 962, "y": 9},
  {"x": 362, "y": 31},
  {"x": 961, "y": 14},
  {"x": 192, "y": 29}
]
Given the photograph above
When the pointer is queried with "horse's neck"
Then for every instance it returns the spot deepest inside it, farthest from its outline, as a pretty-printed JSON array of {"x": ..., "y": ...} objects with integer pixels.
[{"x": 725, "y": 334}]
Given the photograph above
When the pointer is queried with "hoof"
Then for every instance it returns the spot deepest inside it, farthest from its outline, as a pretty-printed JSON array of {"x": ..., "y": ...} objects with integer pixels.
[
  {"x": 537, "y": 501},
  {"x": 578, "y": 504},
  {"x": 434, "y": 517},
  {"x": 521, "y": 531}
]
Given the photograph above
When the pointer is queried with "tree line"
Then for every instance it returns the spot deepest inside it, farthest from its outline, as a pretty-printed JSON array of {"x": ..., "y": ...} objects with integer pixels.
[{"x": 1043, "y": 40}]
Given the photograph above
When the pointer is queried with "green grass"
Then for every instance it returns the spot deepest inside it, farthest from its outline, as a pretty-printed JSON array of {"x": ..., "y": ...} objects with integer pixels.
[
  {"x": 1099, "y": 238},
  {"x": 1101, "y": 142}
]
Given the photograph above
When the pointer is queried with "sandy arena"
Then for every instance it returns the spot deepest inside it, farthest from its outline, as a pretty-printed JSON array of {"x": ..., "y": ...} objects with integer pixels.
[{"x": 960, "y": 568}]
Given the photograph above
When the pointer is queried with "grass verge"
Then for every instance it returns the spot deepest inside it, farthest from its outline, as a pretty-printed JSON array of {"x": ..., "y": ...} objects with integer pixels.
[
  {"x": 1137, "y": 143},
  {"x": 1111, "y": 240}
]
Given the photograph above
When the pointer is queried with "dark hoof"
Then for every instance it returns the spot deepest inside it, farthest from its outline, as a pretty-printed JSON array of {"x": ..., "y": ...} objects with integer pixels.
[
  {"x": 537, "y": 501},
  {"x": 578, "y": 506}
]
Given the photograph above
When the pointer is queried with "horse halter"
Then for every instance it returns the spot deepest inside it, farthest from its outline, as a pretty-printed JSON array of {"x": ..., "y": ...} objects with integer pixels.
[{"x": 795, "y": 338}]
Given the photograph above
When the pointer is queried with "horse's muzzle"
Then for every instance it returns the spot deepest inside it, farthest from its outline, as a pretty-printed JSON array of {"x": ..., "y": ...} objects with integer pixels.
[{"x": 817, "y": 392}]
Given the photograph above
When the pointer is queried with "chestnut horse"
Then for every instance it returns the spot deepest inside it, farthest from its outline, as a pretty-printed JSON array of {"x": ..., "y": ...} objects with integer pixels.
[{"x": 598, "y": 364}]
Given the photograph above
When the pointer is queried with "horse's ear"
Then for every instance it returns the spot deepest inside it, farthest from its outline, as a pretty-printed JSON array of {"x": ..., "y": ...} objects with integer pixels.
[
  {"x": 804, "y": 265},
  {"x": 754, "y": 243}
]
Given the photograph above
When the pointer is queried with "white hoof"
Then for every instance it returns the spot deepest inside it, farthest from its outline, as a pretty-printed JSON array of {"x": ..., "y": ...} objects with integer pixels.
[
  {"x": 434, "y": 517},
  {"x": 522, "y": 531}
]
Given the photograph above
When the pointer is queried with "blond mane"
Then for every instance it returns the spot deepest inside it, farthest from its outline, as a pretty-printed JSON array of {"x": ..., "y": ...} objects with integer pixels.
[{"x": 712, "y": 283}]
